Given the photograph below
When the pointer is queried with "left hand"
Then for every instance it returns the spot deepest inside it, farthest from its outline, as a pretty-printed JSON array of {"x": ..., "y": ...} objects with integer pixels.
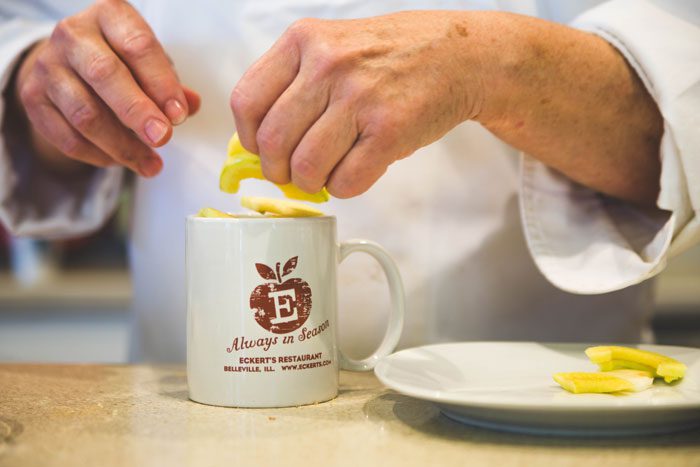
[{"x": 334, "y": 103}]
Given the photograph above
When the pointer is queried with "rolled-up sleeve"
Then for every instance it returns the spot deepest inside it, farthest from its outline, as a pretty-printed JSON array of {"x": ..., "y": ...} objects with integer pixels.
[
  {"x": 584, "y": 242},
  {"x": 34, "y": 202}
]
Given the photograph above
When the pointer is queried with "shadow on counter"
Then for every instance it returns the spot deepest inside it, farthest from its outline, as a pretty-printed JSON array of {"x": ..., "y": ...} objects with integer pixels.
[{"x": 426, "y": 418}]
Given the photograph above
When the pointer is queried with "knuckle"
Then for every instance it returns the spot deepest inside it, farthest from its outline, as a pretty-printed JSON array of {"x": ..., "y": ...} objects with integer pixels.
[
  {"x": 301, "y": 28},
  {"x": 386, "y": 128},
  {"x": 83, "y": 116},
  {"x": 306, "y": 170},
  {"x": 354, "y": 90},
  {"x": 324, "y": 63},
  {"x": 139, "y": 44},
  {"x": 356, "y": 177},
  {"x": 55, "y": 88},
  {"x": 42, "y": 64},
  {"x": 101, "y": 67},
  {"x": 269, "y": 141},
  {"x": 275, "y": 176},
  {"x": 241, "y": 105},
  {"x": 309, "y": 186},
  {"x": 70, "y": 145},
  {"x": 162, "y": 82},
  {"x": 108, "y": 5},
  {"x": 133, "y": 152},
  {"x": 30, "y": 92},
  {"x": 102, "y": 3},
  {"x": 341, "y": 189},
  {"x": 134, "y": 110},
  {"x": 64, "y": 31},
  {"x": 126, "y": 156}
]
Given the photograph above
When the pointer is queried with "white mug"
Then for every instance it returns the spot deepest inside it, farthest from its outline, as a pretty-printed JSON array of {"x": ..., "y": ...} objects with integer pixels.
[{"x": 262, "y": 310}]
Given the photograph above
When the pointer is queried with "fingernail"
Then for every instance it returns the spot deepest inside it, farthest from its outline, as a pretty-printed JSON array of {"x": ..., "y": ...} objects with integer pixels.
[
  {"x": 151, "y": 166},
  {"x": 156, "y": 130},
  {"x": 175, "y": 111}
]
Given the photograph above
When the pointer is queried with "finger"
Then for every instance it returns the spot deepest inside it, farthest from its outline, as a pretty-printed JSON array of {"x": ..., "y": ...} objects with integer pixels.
[
  {"x": 285, "y": 124},
  {"x": 107, "y": 75},
  {"x": 361, "y": 167},
  {"x": 194, "y": 101},
  {"x": 51, "y": 124},
  {"x": 133, "y": 40},
  {"x": 97, "y": 123},
  {"x": 322, "y": 147},
  {"x": 260, "y": 87}
]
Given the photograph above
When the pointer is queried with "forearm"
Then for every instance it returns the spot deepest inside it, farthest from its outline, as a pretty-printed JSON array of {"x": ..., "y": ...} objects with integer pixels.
[{"x": 571, "y": 100}]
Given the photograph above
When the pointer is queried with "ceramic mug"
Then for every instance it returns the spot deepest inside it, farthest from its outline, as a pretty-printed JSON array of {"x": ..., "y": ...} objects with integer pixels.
[{"x": 262, "y": 310}]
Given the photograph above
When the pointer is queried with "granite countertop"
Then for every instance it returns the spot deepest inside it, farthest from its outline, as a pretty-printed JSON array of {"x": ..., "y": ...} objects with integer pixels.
[{"x": 75, "y": 415}]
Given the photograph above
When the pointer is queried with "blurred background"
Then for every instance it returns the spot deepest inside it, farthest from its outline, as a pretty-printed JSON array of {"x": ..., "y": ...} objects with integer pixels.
[
  {"x": 69, "y": 301},
  {"x": 66, "y": 301}
]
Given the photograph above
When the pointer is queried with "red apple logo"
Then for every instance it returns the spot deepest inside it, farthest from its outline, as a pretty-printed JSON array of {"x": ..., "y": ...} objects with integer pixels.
[{"x": 281, "y": 307}]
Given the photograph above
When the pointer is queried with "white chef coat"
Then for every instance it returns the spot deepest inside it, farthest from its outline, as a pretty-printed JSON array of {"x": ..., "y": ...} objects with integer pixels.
[{"x": 450, "y": 214}]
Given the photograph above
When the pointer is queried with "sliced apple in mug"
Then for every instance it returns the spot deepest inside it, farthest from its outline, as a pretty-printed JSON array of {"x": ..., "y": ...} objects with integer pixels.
[
  {"x": 279, "y": 207},
  {"x": 242, "y": 164},
  {"x": 213, "y": 213}
]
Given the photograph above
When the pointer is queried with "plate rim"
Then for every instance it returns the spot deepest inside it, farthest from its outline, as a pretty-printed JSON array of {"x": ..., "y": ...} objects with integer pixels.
[{"x": 526, "y": 406}]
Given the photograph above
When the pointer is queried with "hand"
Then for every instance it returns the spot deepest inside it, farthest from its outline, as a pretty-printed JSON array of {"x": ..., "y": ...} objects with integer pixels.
[
  {"x": 334, "y": 103},
  {"x": 101, "y": 90}
]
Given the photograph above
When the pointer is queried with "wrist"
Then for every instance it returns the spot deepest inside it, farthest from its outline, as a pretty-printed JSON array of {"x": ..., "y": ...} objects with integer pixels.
[
  {"x": 503, "y": 54},
  {"x": 468, "y": 60}
]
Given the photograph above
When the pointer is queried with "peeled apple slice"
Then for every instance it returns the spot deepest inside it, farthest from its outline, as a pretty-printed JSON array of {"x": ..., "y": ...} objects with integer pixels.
[
  {"x": 279, "y": 206},
  {"x": 624, "y": 357},
  {"x": 626, "y": 364},
  {"x": 241, "y": 164},
  {"x": 605, "y": 382},
  {"x": 211, "y": 212}
]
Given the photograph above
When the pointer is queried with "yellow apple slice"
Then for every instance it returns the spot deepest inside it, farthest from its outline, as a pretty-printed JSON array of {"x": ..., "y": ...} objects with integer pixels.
[
  {"x": 234, "y": 145},
  {"x": 280, "y": 207},
  {"x": 613, "y": 356},
  {"x": 626, "y": 365},
  {"x": 211, "y": 212},
  {"x": 241, "y": 164},
  {"x": 604, "y": 382}
]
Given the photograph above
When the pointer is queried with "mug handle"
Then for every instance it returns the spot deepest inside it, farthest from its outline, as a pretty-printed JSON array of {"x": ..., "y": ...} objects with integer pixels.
[{"x": 393, "y": 331}]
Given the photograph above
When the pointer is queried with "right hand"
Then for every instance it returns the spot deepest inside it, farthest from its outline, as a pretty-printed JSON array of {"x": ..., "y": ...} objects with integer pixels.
[{"x": 101, "y": 90}]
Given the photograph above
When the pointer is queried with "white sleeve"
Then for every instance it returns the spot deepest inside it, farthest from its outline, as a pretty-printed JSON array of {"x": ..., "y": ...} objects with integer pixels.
[
  {"x": 33, "y": 202},
  {"x": 587, "y": 243}
]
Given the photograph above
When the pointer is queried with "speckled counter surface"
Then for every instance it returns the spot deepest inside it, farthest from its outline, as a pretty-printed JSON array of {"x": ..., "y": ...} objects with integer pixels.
[{"x": 83, "y": 415}]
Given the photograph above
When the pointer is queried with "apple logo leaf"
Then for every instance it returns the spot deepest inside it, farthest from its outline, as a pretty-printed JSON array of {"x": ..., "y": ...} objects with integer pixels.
[
  {"x": 289, "y": 266},
  {"x": 265, "y": 272}
]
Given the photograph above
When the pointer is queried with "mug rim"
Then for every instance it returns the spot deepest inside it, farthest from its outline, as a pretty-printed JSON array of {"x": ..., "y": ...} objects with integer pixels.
[{"x": 257, "y": 219}]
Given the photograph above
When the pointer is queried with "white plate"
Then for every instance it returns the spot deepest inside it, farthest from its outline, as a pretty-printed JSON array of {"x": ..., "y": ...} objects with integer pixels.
[{"x": 509, "y": 386}]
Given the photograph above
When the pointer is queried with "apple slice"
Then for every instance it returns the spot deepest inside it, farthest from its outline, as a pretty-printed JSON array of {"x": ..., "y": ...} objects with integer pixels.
[
  {"x": 613, "y": 356},
  {"x": 605, "y": 382},
  {"x": 626, "y": 365},
  {"x": 280, "y": 207},
  {"x": 241, "y": 164},
  {"x": 211, "y": 212}
]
